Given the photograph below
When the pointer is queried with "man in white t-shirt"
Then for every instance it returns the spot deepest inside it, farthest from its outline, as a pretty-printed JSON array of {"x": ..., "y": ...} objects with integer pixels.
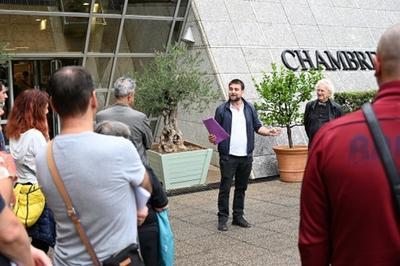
[
  {"x": 99, "y": 172},
  {"x": 239, "y": 118}
]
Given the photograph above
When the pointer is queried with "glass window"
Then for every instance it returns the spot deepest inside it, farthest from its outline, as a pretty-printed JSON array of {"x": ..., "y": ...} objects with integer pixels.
[
  {"x": 42, "y": 33},
  {"x": 128, "y": 66},
  {"x": 109, "y": 6},
  {"x": 112, "y": 97},
  {"x": 177, "y": 31},
  {"x": 36, "y": 73},
  {"x": 103, "y": 35},
  {"x": 101, "y": 99},
  {"x": 151, "y": 7},
  {"x": 81, "y": 6},
  {"x": 33, "y": 5},
  {"x": 182, "y": 8},
  {"x": 100, "y": 68},
  {"x": 144, "y": 36}
]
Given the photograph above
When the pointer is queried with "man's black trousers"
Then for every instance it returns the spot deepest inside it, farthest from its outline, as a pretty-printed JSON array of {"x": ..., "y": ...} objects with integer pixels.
[{"x": 240, "y": 168}]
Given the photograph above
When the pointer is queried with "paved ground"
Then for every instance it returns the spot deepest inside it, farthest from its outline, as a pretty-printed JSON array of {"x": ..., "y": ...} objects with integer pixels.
[{"x": 273, "y": 209}]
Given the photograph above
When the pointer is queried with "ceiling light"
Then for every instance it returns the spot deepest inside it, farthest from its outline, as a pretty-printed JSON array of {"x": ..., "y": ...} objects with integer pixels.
[
  {"x": 96, "y": 8},
  {"x": 43, "y": 24}
]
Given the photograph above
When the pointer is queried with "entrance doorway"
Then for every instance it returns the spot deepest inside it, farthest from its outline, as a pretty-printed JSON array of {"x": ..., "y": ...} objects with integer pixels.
[
  {"x": 35, "y": 74},
  {"x": 32, "y": 74}
]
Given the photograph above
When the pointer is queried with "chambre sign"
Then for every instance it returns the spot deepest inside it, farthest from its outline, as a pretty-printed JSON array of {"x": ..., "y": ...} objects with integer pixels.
[{"x": 330, "y": 61}]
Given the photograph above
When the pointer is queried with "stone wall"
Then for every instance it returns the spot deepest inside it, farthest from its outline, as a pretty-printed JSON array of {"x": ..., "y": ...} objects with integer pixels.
[{"x": 241, "y": 38}]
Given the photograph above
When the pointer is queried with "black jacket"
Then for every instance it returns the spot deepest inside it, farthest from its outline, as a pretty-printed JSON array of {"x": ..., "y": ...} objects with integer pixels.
[
  {"x": 223, "y": 116},
  {"x": 158, "y": 199},
  {"x": 311, "y": 122}
]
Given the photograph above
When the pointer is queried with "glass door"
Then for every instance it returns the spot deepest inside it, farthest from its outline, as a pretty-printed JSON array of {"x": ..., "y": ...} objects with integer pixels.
[{"x": 35, "y": 74}]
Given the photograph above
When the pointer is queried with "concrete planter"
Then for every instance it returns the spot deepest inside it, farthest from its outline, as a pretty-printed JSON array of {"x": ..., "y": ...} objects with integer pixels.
[
  {"x": 291, "y": 162},
  {"x": 181, "y": 169}
]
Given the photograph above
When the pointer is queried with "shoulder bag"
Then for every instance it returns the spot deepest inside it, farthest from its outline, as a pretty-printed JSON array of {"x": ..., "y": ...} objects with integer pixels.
[
  {"x": 166, "y": 239},
  {"x": 384, "y": 153}
]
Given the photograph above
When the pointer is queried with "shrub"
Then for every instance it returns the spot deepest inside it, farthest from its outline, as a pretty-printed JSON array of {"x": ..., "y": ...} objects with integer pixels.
[
  {"x": 281, "y": 93},
  {"x": 353, "y": 100}
]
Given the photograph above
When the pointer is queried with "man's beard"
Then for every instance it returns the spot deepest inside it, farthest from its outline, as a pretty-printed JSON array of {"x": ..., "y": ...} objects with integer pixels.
[{"x": 234, "y": 98}]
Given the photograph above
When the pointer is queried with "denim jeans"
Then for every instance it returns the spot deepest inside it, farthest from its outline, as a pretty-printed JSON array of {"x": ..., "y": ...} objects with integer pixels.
[{"x": 240, "y": 169}]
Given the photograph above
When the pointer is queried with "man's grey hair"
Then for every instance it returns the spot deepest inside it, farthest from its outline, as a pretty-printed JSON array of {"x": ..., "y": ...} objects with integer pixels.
[
  {"x": 328, "y": 84},
  {"x": 113, "y": 128},
  {"x": 123, "y": 86}
]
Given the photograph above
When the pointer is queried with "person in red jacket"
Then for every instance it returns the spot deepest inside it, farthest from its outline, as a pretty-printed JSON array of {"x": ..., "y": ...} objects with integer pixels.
[{"x": 347, "y": 212}]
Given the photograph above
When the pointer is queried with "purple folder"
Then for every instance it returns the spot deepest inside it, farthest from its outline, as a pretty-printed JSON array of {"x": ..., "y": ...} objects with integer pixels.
[{"x": 214, "y": 128}]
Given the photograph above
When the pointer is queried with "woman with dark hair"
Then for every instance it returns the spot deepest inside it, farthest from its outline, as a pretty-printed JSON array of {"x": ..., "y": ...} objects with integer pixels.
[{"x": 27, "y": 131}]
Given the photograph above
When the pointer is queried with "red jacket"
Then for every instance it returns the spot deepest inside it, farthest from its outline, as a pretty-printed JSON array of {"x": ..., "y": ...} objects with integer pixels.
[{"x": 347, "y": 213}]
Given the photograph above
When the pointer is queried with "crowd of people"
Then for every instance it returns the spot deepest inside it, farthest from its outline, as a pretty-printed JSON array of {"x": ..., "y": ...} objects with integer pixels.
[
  {"x": 96, "y": 198},
  {"x": 104, "y": 197}
]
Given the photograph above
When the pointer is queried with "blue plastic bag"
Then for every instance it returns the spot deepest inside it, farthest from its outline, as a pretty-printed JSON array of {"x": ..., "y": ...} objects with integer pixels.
[{"x": 166, "y": 239}]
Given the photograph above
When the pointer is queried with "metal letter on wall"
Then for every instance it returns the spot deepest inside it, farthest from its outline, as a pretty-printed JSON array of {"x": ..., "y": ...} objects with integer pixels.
[{"x": 330, "y": 61}]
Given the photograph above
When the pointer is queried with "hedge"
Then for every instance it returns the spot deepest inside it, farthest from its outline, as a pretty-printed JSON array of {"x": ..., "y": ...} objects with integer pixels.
[{"x": 353, "y": 100}]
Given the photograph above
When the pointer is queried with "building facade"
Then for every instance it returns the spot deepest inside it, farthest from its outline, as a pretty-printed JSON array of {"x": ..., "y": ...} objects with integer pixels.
[{"x": 241, "y": 38}]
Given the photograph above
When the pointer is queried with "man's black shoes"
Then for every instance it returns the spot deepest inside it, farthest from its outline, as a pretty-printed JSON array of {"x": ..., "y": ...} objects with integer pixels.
[
  {"x": 222, "y": 226},
  {"x": 240, "y": 221}
]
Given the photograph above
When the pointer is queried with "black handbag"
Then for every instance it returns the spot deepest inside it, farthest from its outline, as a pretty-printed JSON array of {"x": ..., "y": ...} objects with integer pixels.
[
  {"x": 127, "y": 256},
  {"x": 384, "y": 153}
]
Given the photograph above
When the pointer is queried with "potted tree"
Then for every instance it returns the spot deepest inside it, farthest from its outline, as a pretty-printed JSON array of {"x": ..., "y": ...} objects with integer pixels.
[
  {"x": 173, "y": 82},
  {"x": 281, "y": 94}
]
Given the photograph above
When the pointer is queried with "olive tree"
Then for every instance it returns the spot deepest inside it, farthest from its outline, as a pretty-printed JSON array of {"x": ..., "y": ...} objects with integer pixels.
[{"x": 172, "y": 82}]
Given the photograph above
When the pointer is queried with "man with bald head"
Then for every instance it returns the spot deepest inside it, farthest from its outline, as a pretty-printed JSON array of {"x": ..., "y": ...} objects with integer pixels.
[{"x": 347, "y": 214}]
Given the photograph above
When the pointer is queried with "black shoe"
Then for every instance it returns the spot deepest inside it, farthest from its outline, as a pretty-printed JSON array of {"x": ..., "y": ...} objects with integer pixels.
[
  {"x": 222, "y": 226},
  {"x": 241, "y": 222}
]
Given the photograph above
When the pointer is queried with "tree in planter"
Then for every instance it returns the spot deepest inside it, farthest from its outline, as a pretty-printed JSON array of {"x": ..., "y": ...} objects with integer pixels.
[
  {"x": 281, "y": 93},
  {"x": 173, "y": 80}
]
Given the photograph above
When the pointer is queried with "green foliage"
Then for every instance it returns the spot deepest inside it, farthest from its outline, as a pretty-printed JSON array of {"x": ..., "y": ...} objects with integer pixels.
[
  {"x": 353, "y": 100},
  {"x": 281, "y": 93},
  {"x": 174, "y": 77}
]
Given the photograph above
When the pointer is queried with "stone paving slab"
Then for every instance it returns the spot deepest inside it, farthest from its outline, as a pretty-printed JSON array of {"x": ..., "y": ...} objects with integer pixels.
[{"x": 273, "y": 209}]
